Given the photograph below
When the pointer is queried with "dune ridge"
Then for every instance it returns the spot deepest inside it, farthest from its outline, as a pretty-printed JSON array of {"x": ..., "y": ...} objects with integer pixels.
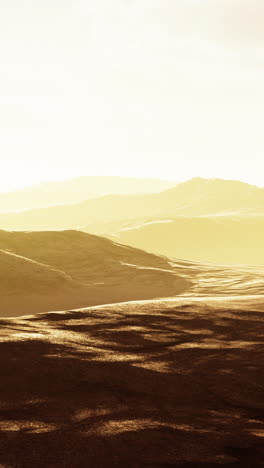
[{"x": 192, "y": 198}]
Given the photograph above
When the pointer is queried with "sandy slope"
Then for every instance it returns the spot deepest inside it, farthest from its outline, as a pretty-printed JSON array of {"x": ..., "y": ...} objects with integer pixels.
[
  {"x": 69, "y": 269},
  {"x": 192, "y": 198},
  {"x": 19, "y": 275},
  {"x": 229, "y": 239},
  {"x": 150, "y": 384}
]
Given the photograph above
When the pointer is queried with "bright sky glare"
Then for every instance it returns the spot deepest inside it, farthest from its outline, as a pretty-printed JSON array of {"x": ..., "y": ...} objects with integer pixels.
[{"x": 146, "y": 88}]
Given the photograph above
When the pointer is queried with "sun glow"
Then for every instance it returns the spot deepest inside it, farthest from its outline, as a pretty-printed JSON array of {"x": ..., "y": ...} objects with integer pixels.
[{"x": 137, "y": 89}]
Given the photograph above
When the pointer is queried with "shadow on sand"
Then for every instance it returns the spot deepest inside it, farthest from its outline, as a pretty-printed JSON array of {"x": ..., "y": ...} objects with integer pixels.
[{"x": 150, "y": 386}]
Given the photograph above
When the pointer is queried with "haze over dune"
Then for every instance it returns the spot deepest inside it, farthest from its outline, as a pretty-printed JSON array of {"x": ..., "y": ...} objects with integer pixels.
[
  {"x": 196, "y": 197},
  {"x": 232, "y": 239},
  {"x": 211, "y": 220},
  {"x": 153, "y": 383},
  {"x": 77, "y": 190}
]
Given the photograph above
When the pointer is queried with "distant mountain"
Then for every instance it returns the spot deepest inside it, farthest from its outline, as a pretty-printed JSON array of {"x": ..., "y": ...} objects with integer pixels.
[
  {"x": 77, "y": 190},
  {"x": 197, "y": 197}
]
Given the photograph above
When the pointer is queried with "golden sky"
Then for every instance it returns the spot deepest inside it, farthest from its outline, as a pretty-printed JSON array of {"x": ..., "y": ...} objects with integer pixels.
[{"x": 147, "y": 88}]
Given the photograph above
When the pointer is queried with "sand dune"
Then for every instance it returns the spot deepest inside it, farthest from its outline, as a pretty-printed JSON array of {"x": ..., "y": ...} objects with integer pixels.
[
  {"x": 163, "y": 383},
  {"x": 77, "y": 190},
  {"x": 66, "y": 269},
  {"x": 71, "y": 269},
  {"x": 197, "y": 197},
  {"x": 217, "y": 239}
]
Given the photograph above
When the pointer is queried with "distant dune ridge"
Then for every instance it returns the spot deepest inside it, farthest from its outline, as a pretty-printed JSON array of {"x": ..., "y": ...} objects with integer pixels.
[
  {"x": 77, "y": 190},
  {"x": 196, "y": 197},
  {"x": 213, "y": 220}
]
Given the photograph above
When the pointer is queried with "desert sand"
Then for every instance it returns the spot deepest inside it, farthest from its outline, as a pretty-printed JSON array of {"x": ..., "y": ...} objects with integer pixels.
[
  {"x": 169, "y": 372},
  {"x": 43, "y": 271},
  {"x": 166, "y": 383},
  {"x": 165, "y": 369}
]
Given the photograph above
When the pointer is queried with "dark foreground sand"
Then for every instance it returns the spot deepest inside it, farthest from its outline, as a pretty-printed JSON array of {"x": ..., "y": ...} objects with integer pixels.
[{"x": 144, "y": 384}]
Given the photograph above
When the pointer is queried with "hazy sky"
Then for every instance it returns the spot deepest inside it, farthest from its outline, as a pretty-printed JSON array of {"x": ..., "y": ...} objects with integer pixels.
[{"x": 155, "y": 88}]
